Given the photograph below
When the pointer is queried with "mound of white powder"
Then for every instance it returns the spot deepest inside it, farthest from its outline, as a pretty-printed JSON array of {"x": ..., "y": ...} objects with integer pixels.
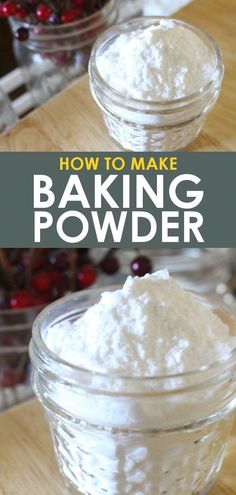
[
  {"x": 166, "y": 61},
  {"x": 149, "y": 327}
]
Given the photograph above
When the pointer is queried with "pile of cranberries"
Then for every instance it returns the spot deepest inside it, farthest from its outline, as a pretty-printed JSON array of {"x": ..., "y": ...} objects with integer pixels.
[
  {"x": 47, "y": 12},
  {"x": 33, "y": 277}
]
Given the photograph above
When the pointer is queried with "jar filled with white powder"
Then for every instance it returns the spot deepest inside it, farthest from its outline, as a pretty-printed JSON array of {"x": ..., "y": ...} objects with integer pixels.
[
  {"x": 155, "y": 80},
  {"x": 138, "y": 385}
]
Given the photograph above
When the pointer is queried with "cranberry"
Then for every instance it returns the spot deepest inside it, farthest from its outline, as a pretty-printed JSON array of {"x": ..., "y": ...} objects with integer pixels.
[
  {"x": 41, "y": 281},
  {"x": 86, "y": 276},
  {"x": 141, "y": 265},
  {"x": 56, "y": 278},
  {"x": 38, "y": 261},
  {"x": 21, "y": 12},
  {"x": 22, "y": 34},
  {"x": 9, "y": 9},
  {"x": 43, "y": 12},
  {"x": 79, "y": 3},
  {"x": 70, "y": 15},
  {"x": 10, "y": 378},
  {"x": 21, "y": 299},
  {"x": 110, "y": 265}
]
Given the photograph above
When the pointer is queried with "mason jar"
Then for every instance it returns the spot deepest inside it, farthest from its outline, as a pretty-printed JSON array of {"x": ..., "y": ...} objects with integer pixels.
[
  {"x": 164, "y": 125},
  {"x": 53, "y": 56},
  {"x": 136, "y": 436}
]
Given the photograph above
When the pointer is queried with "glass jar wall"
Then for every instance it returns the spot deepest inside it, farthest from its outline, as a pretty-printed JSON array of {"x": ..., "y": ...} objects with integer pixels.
[{"x": 116, "y": 435}]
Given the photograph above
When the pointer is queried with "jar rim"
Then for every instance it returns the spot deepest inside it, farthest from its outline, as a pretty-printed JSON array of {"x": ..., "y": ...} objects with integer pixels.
[
  {"x": 49, "y": 29},
  {"x": 162, "y": 103},
  {"x": 49, "y": 357}
]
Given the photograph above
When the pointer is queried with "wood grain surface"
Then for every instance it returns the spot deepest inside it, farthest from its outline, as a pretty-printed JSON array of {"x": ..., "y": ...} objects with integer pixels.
[
  {"x": 28, "y": 467},
  {"x": 71, "y": 120}
]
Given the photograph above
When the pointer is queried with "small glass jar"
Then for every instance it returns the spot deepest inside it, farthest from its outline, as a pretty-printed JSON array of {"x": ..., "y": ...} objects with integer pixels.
[
  {"x": 135, "y": 436},
  {"x": 165, "y": 125},
  {"x": 53, "y": 56}
]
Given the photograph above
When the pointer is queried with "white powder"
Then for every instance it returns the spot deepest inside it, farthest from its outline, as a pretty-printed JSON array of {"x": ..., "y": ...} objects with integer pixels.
[
  {"x": 118, "y": 438},
  {"x": 149, "y": 327},
  {"x": 166, "y": 61}
]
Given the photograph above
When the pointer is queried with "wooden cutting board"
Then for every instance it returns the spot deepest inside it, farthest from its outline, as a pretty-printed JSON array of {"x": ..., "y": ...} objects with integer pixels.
[
  {"x": 71, "y": 121},
  {"x": 28, "y": 467}
]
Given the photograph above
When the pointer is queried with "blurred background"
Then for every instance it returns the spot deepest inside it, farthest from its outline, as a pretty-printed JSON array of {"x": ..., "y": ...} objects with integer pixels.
[
  {"x": 34, "y": 69},
  {"x": 31, "y": 72},
  {"x": 30, "y": 279}
]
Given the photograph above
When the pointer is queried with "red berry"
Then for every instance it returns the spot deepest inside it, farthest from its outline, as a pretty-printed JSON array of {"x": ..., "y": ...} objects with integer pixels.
[
  {"x": 141, "y": 265},
  {"x": 110, "y": 265},
  {"x": 43, "y": 12},
  {"x": 79, "y": 3},
  {"x": 86, "y": 276},
  {"x": 21, "y": 299},
  {"x": 38, "y": 261},
  {"x": 9, "y": 9},
  {"x": 21, "y": 12},
  {"x": 70, "y": 15},
  {"x": 56, "y": 278},
  {"x": 41, "y": 281}
]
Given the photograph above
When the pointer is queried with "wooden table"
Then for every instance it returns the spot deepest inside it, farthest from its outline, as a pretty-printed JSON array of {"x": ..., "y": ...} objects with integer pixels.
[
  {"x": 71, "y": 121},
  {"x": 27, "y": 465}
]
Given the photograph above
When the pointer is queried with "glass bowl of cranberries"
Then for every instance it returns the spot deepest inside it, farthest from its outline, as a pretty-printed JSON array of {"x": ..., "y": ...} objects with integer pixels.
[
  {"x": 27, "y": 284},
  {"x": 53, "y": 39},
  {"x": 29, "y": 280}
]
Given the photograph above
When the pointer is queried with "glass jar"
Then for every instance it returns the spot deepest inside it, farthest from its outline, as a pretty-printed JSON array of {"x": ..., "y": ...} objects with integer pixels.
[
  {"x": 53, "y": 56},
  {"x": 15, "y": 334},
  {"x": 165, "y": 125},
  {"x": 135, "y": 436}
]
